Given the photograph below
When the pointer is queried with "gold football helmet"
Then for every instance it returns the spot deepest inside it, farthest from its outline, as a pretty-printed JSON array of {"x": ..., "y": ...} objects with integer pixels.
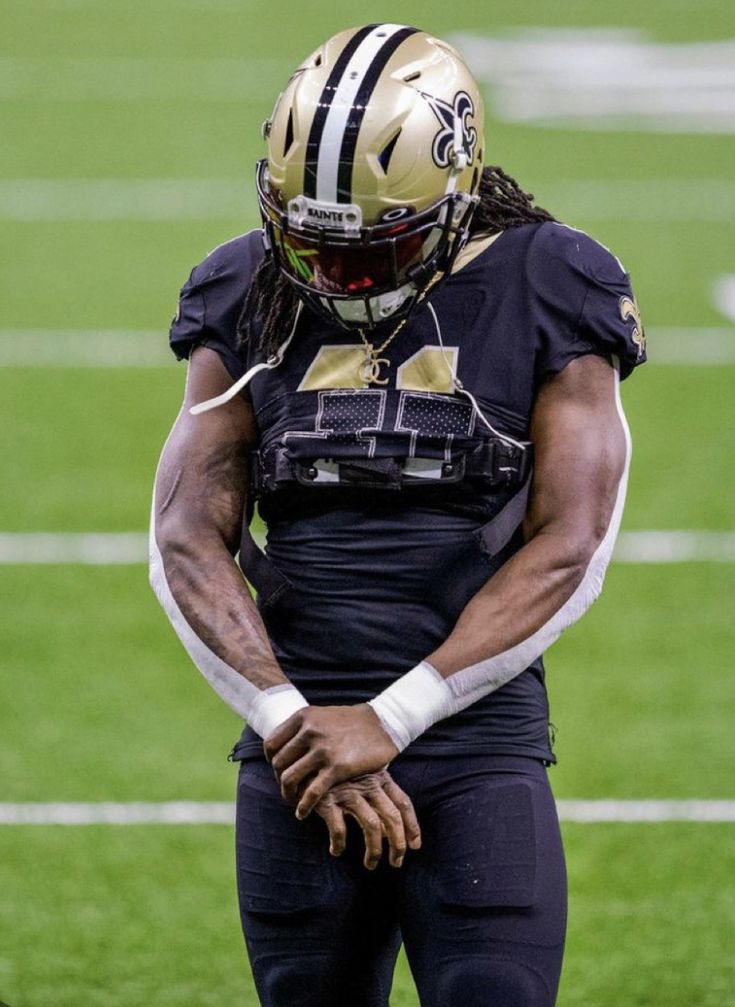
[{"x": 375, "y": 151}]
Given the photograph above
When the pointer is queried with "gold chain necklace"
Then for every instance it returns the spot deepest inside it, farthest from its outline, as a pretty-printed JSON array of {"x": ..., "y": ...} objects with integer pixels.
[{"x": 369, "y": 369}]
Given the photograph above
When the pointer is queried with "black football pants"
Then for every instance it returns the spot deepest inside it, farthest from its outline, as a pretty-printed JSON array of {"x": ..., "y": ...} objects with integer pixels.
[{"x": 481, "y": 908}]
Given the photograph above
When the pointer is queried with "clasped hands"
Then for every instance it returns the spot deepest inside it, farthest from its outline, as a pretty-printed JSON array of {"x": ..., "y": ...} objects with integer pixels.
[{"x": 332, "y": 760}]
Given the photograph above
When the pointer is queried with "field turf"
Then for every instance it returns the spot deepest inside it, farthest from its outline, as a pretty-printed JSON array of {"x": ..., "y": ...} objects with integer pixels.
[{"x": 98, "y": 700}]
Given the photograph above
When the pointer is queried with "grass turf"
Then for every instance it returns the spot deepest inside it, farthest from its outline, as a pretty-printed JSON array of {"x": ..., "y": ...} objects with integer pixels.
[
  {"x": 100, "y": 702},
  {"x": 104, "y": 917}
]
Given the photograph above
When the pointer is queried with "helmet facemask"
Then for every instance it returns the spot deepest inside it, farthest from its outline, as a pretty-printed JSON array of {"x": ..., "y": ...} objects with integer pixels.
[{"x": 360, "y": 276}]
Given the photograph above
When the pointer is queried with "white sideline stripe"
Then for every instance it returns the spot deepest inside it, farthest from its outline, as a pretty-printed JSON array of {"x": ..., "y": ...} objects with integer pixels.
[
  {"x": 127, "y": 548},
  {"x": 149, "y": 348},
  {"x": 152, "y": 199},
  {"x": 223, "y": 812}
]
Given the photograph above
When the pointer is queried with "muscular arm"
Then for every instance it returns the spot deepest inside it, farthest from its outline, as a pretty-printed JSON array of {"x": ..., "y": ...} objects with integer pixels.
[
  {"x": 195, "y": 529},
  {"x": 581, "y": 456},
  {"x": 581, "y": 459},
  {"x": 198, "y": 506}
]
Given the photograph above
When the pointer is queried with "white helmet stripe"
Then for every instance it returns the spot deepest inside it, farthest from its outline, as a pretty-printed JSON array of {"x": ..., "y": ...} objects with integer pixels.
[{"x": 341, "y": 107}]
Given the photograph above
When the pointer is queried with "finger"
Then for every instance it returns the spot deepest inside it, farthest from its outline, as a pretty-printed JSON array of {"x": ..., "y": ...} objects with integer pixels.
[
  {"x": 289, "y": 753},
  {"x": 408, "y": 813},
  {"x": 392, "y": 823},
  {"x": 369, "y": 822},
  {"x": 316, "y": 789},
  {"x": 283, "y": 733},
  {"x": 293, "y": 778},
  {"x": 335, "y": 822}
]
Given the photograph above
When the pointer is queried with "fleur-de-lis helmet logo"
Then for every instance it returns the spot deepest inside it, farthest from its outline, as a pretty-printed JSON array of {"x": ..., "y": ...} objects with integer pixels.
[{"x": 462, "y": 108}]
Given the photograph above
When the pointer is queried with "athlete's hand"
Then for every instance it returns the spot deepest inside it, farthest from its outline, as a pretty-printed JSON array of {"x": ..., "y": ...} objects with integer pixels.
[
  {"x": 380, "y": 808},
  {"x": 320, "y": 746}
]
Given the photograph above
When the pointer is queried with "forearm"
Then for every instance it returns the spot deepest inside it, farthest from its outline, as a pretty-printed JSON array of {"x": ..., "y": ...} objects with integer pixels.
[
  {"x": 209, "y": 605},
  {"x": 510, "y": 622},
  {"x": 213, "y": 597},
  {"x": 535, "y": 589}
]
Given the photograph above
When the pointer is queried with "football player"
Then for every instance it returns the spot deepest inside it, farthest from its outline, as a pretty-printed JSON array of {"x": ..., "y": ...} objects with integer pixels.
[{"x": 414, "y": 370}]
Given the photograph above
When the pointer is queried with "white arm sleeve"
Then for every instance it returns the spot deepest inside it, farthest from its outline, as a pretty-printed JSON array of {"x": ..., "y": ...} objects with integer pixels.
[
  {"x": 264, "y": 709},
  {"x": 422, "y": 696}
]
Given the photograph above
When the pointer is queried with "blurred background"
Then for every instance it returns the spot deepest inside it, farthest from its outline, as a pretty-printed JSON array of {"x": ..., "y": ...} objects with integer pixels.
[{"x": 129, "y": 136}]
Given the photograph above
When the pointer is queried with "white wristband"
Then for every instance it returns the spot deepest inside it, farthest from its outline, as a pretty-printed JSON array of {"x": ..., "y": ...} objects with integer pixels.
[
  {"x": 272, "y": 707},
  {"x": 412, "y": 704}
]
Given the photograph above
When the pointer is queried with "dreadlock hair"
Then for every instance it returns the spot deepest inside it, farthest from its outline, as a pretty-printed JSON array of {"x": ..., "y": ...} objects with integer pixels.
[
  {"x": 503, "y": 204},
  {"x": 270, "y": 304}
]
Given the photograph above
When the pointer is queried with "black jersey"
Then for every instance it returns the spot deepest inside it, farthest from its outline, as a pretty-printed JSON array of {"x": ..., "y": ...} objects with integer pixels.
[{"x": 379, "y": 578}]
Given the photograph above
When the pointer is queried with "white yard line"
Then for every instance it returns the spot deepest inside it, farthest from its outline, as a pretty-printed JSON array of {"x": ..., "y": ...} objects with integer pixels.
[
  {"x": 223, "y": 813},
  {"x": 119, "y": 813},
  {"x": 124, "y": 548},
  {"x": 140, "y": 78},
  {"x": 691, "y": 347},
  {"x": 646, "y": 811},
  {"x": 127, "y": 199},
  {"x": 686, "y": 346},
  {"x": 675, "y": 547},
  {"x": 85, "y": 548},
  {"x": 155, "y": 199},
  {"x": 84, "y": 348},
  {"x": 664, "y": 199}
]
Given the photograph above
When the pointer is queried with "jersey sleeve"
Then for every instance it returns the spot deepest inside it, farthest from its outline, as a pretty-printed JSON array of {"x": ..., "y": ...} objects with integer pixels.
[
  {"x": 211, "y": 300},
  {"x": 585, "y": 303}
]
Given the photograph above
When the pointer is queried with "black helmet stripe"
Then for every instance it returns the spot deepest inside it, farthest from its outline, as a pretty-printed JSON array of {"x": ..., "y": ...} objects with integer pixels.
[
  {"x": 325, "y": 103},
  {"x": 357, "y": 113}
]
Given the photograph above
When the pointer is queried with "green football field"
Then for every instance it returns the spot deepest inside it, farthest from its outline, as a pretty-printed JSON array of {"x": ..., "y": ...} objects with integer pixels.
[{"x": 129, "y": 135}]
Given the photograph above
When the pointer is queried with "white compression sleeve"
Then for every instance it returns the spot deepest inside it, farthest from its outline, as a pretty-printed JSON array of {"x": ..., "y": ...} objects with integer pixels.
[
  {"x": 422, "y": 696},
  {"x": 264, "y": 709}
]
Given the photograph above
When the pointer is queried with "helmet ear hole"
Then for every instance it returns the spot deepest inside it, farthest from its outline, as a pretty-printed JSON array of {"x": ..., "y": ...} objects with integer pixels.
[
  {"x": 288, "y": 143},
  {"x": 385, "y": 155}
]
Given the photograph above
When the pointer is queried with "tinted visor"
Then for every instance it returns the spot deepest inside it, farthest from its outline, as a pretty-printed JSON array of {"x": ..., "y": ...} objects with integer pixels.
[{"x": 351, "y": 270}]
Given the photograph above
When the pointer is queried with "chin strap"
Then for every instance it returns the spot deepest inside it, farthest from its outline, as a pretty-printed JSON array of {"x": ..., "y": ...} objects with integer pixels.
[{"x": 275, "y": 360}]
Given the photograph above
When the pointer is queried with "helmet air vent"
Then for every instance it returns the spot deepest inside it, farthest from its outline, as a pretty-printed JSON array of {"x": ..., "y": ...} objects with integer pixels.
[
  {"x": 289, "y": 133},
  {"x": 385, "y": 155},
  {"x": 412, "y": 76},
  {"x": 318, "y": 60}
]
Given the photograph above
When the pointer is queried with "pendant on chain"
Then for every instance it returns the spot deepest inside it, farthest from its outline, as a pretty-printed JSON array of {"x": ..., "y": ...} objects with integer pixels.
[{"x": 370, "y": 369}]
